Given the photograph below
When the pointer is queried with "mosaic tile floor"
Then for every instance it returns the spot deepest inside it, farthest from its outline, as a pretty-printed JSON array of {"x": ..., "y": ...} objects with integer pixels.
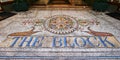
[{"x": 59, "y": 33}]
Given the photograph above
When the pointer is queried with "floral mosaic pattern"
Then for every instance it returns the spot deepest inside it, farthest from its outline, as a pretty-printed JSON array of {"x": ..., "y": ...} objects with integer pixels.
[{"x": 61, "y": 24}]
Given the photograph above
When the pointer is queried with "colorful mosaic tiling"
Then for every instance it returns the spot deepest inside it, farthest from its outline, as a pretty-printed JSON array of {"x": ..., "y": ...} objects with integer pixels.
[
  {"x": 61, "y": 25},
  {"x": 59, "y": 32}
]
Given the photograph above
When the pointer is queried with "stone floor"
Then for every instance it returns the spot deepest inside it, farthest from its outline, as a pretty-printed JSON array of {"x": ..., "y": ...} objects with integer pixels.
[{"x": 59, "y": 22}]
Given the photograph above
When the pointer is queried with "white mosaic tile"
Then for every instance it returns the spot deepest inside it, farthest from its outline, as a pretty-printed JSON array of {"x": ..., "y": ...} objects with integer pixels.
[{"x": 15, "y": 24}]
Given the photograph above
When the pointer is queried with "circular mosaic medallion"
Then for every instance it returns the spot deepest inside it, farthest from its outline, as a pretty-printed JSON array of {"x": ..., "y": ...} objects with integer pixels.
[{"x": 61, "y": 24}]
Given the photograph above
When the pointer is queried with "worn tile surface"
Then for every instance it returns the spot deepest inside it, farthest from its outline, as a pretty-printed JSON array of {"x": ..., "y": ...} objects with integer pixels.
[{"x": 59, "y": 32}]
